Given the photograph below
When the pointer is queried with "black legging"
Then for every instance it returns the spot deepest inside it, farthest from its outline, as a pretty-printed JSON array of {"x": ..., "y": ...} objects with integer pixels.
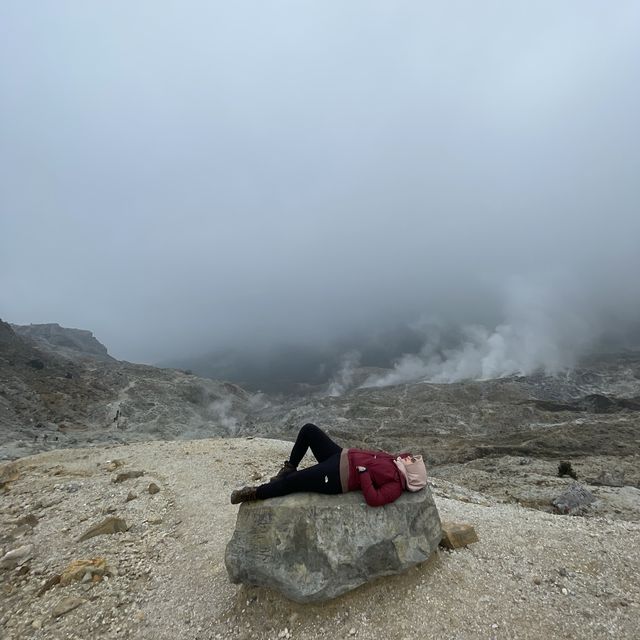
[{"x": 323, "y": 477}]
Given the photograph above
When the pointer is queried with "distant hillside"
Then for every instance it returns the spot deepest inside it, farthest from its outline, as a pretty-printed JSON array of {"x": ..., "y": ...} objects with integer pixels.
[
  {"x": 59, "y": 387},
  {"x": 62, "y": 339}
]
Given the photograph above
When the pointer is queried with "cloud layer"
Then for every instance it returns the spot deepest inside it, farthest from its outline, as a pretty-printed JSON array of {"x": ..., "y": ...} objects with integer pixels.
[{"x": 207, "y": 176}]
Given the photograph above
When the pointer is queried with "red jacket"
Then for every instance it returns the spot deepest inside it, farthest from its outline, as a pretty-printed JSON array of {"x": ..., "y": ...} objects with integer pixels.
[{"x": 381, "y": 483}]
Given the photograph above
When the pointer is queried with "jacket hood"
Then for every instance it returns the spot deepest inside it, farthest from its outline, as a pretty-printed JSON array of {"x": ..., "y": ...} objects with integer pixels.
[{"x": 414, "y": 476}]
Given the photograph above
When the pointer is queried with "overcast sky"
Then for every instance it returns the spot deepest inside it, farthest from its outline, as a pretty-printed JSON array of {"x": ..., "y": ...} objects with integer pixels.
[{"x": 182, "y": 175}]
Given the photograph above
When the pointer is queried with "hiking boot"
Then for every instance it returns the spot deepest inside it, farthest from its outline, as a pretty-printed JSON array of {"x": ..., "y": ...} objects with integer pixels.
[
  {"x": 246, "y": 494},
  {"x": 287, "y": 469}
]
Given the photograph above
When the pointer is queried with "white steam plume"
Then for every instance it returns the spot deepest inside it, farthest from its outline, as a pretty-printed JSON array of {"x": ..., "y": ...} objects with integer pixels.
[
  {"x": 343, "y": 380},
  {"x": 543, "y": 330},
  {"x": 219, "y": 410}
]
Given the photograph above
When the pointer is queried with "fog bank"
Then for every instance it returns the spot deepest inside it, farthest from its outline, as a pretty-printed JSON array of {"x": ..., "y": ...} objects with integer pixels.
[{"x": 319, "y": 178}]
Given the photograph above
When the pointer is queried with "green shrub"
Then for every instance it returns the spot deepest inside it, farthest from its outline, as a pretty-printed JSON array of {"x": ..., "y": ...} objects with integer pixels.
[{"x": 565, "y": 469}]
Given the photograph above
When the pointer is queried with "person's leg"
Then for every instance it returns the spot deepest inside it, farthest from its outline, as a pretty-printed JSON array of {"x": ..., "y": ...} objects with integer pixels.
[
  {"x": 321, "y": 445},
  {"x": 323, "y": 477}
]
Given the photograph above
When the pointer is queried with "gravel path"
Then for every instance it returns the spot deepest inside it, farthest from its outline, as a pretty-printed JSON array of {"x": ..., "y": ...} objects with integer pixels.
[{"x": 532, "y": 575}]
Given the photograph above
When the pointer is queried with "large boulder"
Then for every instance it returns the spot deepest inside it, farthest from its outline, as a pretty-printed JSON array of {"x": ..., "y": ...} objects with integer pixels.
[{"x": 313, "y": 547}]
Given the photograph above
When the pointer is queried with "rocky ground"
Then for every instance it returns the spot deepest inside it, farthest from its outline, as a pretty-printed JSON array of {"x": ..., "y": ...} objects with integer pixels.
[
  {"x": 594, "y": 408},
  {"x": 532, "y": 574},
  {"x": 534, "y": 482}
]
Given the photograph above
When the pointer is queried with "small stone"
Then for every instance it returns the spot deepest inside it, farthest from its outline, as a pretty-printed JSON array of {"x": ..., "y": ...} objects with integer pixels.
[
  {"x": 37, "y": 624},
  {"x": 563, "y": 572},
  {"x": 83, "y": 570},
  {"x": 111, "y": 525},
  {"x": 30, "y": 520},
  {"x": 131, "y": 496},
  {"x": 565, "y": 591},
  {"x": 20, "y": 531},
  {"x": 65, "y": 605},
  {"x": 153, "y": 488},
  {"x": 352, "y": 631},
  {"x": 16, "y": 557},
  {"x": 127, "y": 475},
  {"x": 537, "y": 581},
  {"x": 8, "y": 473},
  {"x": 457, "y": 534},
  {"x": 49, "y": 584}
]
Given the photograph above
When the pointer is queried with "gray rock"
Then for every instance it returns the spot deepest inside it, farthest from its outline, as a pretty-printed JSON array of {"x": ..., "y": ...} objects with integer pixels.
[
  {"x": 314, "y": 547},
  {"x": 8, "y": 473},
  {"x": 65, "y": 605},
  {"x": 574, "y": 498},
  {"x": 16, "y": 557},
  {"x": 610, "y": 479},
  {"x": 29, "y": 520},
  {"x": 19, "y": 531},
  {"x": 107, "y": 527},
  {"x": 127, "y": 475}
]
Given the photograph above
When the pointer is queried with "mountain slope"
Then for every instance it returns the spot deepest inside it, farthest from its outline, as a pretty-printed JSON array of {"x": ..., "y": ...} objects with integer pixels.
[{"x": 52, "y": 395}]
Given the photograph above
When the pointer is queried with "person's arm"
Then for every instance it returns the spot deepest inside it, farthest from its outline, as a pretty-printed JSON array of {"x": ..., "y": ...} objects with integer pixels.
[{"x": 388, "y": 492}]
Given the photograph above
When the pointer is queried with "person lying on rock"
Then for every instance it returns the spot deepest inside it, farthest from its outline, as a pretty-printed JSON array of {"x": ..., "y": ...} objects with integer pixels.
[{"x": 382, "y": 477}]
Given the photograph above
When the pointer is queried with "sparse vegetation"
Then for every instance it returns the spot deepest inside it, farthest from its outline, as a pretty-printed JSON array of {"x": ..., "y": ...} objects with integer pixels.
[{"x": 565, "y": 469}]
